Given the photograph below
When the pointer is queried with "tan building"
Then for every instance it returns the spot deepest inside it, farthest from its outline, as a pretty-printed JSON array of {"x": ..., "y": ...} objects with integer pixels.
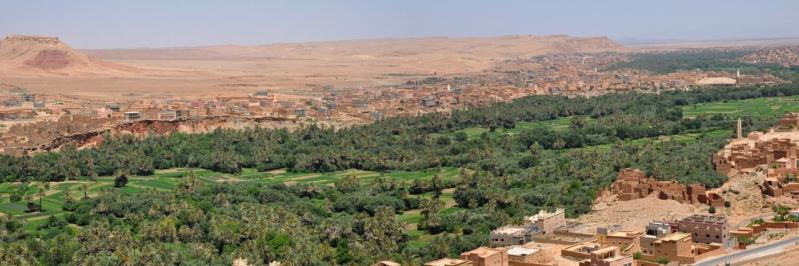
[
  {"x": 679, "y": 247},
  {"x": 628, "y": 242},
  {"x": 449, "y": 262},
  {"x": 547, "y": 222},
  {"x": 672, "y": 246},
  {"x": 706, "y": 229},
  {"x": 608, "y": 256},
  {"x": 522, "y": 256},
  {"x": 512, "y": 235},
  {"x": 484, "y": 256},
  {"x": 581, "y": 251}
]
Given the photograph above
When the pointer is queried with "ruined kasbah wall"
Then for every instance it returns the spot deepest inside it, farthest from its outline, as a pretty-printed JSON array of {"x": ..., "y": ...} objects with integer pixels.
[
  {"x": 634, "y": 184},
  {"x": 142, "y": 128}
]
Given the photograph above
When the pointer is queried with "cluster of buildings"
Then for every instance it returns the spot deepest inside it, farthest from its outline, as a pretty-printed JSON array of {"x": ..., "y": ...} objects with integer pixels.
[
  {"x": 683, "y": 241},
  {"x": 784, "y": 56},
  {"x": 542, "y": 225},
  {"x": 633, "y": 184},
  {"x": 485, "y": 256},
  {"x": 774, "y": 153},
  {"x": 557, "y": 74},
  {"x": 19, "y": 103},
  {"x": 589, "y": 74}
]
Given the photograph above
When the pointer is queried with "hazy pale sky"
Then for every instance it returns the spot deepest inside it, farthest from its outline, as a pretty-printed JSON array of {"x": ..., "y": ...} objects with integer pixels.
[{"x": 163, "y": 23}]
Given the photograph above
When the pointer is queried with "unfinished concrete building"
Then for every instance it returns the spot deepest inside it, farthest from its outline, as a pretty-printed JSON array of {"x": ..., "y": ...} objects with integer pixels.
[
  {"x": 706, "y": 229},
  {"x": 547, "y": 222},
  {"x": 513, "y": 235}
]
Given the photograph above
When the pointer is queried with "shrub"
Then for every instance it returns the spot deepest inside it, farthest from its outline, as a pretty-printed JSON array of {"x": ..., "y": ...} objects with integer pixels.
[{"x": 120, "y": 181}]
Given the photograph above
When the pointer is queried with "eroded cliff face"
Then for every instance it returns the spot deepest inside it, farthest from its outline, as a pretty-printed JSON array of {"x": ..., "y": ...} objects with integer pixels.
[
  {"x": 24, "y": 55},
  {"x": 49, "y": 136}
]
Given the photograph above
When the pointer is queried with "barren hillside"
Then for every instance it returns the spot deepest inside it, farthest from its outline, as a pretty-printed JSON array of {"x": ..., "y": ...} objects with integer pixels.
[
  {"x": 491, "y": 47},
  {"x": 287, "y": 68},
  {"x": 39, "y": 55}
]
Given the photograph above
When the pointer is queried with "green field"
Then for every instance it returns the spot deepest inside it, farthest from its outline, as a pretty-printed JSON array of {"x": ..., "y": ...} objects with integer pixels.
[
  {"x": 679, "y": 138},
  {"x": 412, "y": 218},
  {"x": 168, "y": 179},
  {"x": 759, "y": 107},
  {"x": 560, "y": 124}
]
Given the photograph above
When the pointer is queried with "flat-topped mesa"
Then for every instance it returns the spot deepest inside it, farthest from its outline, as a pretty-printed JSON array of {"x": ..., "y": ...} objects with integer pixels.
[
  {"x": 634, "y": 184},
  {"x": 32, "y": 38},
  {"x": 34, "y": 55}
]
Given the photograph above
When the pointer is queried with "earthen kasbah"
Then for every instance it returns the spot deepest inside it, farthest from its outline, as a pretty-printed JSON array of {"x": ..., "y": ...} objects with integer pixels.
[
  {"x": 773, "y": 153},
  {"x": 634, "y": 184}
]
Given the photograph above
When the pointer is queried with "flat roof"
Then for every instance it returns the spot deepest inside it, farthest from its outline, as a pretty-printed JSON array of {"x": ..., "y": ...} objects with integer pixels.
[
  {"x": 522, "y": 251},
  {"x": 482, "y": 252},
  {"x": 675, "y": 236},
  {"x": 628, "y": 234},
  {"x": 509, "y": 230},
  {"x": 446, "y": 262},
  {"x": 605, "y": 249},
  {"x": 705, "y": 219}
]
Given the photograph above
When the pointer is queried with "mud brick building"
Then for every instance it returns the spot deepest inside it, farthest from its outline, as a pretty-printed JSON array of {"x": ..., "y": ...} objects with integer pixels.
[
  {"x": 633, "y": 184},
  {"x": 777, "y": 150}
]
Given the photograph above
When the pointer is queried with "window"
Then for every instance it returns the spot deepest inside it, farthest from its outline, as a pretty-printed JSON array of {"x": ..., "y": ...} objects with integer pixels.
[{"x": 707, "y": 235}]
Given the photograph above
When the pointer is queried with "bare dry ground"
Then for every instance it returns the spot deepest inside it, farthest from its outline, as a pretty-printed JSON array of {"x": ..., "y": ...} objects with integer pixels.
[
  {"x": 291, "y": 67},
  {"x": 634, "y": 215}
]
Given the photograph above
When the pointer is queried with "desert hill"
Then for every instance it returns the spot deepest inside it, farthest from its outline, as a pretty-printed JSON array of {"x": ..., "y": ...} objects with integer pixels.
[
  {"x": 46, "y": 64},
  {"x": 40, "y": 55}
]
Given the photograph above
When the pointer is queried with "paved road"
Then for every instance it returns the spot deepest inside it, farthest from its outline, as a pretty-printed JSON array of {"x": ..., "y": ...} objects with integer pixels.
[{"x": 751, "y": 253}]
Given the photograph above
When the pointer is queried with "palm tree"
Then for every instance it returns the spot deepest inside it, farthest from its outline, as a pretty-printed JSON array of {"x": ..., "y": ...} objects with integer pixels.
[
  {"x": 66, "y": 193},
  {"x": 41, "y": 194}
]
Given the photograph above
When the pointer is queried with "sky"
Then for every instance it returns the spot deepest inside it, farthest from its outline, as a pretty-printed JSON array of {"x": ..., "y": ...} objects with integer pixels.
[{"x": 91, "y": 24}]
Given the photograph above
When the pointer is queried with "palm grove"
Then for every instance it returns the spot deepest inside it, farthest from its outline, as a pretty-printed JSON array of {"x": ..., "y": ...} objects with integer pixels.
[{"x": 501, "y": 178}]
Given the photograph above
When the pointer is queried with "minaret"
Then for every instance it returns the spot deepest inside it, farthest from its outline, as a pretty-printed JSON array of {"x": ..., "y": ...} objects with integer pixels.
[{"x": 739, "y": 128}]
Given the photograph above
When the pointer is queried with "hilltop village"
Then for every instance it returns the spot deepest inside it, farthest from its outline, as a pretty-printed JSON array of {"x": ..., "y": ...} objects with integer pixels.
[{"x": 548, "y": 238}]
